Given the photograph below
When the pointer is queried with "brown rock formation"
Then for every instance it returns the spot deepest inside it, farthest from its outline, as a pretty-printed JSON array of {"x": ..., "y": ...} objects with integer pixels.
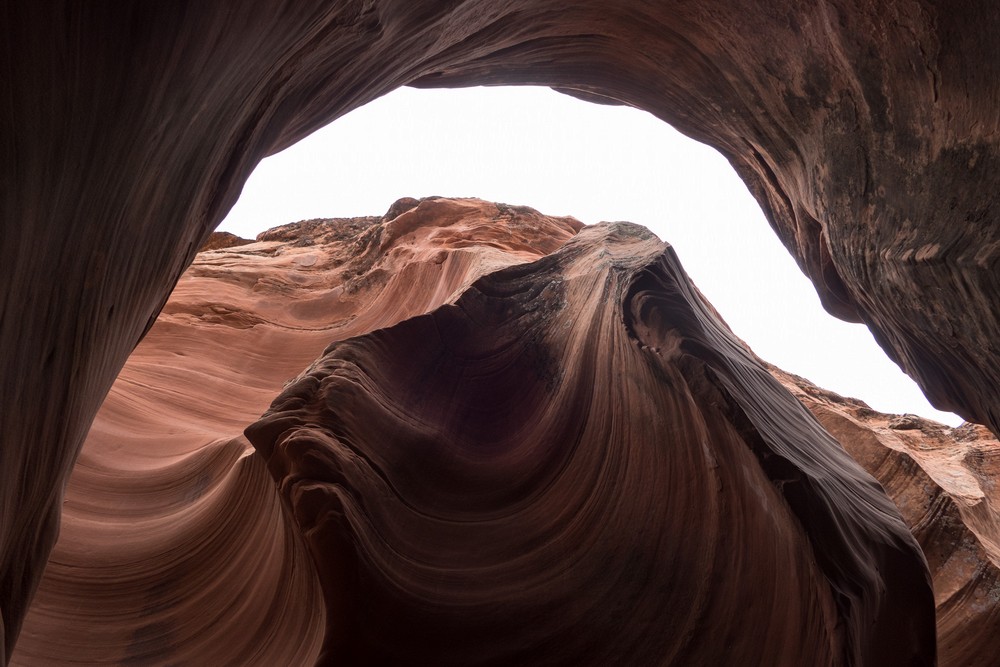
[
  {"x": 944, "y": 482},
  {"x": 516, "y": 479},
  {"x": 174, "y": 547},
  {"x": 168, "y": 509},
  {"x": 867, "y": 130},
  {"x": 220, "y": 240}
]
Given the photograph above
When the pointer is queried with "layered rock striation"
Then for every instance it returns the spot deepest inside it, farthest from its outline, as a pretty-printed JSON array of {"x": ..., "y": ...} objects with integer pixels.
[
  {"x": 174, "y": 547},
  {"x": 866, "y": 130},
  {"x": 577, "y": 463},
  {"x": 520, "y": 443},
  {"x": 944, "y": 482}
]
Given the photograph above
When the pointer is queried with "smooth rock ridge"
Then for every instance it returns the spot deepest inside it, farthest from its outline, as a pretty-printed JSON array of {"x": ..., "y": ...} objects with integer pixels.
[
  {"x": 577, "y": 462},
  {"x": 174, "y": 547},
  {"x": 867, "y": 131}
]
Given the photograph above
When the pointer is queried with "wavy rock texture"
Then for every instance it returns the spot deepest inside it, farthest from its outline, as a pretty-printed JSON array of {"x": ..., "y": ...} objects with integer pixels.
[
  {"x": 944, "y": 482},
  {"x": 169, "y": 510},
  {"x": 577, "y": 463},
  {"x": 867, "y": 130},
  {"x": 174, "y": 546}
]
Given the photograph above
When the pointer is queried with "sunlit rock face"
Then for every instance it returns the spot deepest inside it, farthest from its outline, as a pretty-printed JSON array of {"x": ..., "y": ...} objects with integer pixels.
[
  {"x": 867, "y": 131},
  {"x": 575, "y": 462},
  {"x": 944, "y": 481},
  {"x": 174, "y": 547}
]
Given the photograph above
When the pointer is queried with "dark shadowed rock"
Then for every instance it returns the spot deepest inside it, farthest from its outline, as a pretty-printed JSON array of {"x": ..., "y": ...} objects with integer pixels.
[
  {"x": 168, "y": 508},
  {"x": 577, "y": 463},
  {"x": 867, "y": 130},
  {"x": 174, "y": 546}
]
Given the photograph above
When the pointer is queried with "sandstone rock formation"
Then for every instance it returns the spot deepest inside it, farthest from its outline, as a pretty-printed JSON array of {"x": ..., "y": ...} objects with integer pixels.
[
  {"x": 867, "y": 130},
  {"x": 174, "y": 547},
  {"x": 520, "y": 437},
  {"x": 944, "y": 482},
  {"x": 516, "y": 479},
  {"x": 169, "y": 509}
]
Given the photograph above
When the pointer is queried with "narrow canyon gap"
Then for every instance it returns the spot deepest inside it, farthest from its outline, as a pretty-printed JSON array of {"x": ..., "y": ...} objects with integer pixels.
[{"x": 867, "y": 130}]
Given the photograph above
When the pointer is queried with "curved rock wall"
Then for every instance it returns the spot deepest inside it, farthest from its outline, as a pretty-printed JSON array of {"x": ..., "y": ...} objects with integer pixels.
[
  {"x": 169, "y": 513},
  {"x": 944, "y": 482},
  {"x": 174, "y": 547},
  {"x": 867, "y": 130},
  {"x": 515, "y": 478}
]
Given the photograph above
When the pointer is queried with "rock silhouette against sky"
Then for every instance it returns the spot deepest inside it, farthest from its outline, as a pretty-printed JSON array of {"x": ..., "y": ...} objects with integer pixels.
[
  {"x": 478, "y": 407},
  {"x": 867, "y": 131}
]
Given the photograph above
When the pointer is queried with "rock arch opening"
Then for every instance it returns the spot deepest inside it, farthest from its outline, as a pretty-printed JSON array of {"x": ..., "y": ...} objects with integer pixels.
[
  {"x": 866, "y": 132},
  {"x": 535, "y": 147}
]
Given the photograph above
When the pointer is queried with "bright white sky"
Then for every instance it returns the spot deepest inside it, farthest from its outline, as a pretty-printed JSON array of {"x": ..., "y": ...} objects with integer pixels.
[{"x": 559, "y": 155}]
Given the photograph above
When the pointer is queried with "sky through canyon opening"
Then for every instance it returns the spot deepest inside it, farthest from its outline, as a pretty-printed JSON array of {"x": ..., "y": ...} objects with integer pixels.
[{"x": 539, "y": 148}]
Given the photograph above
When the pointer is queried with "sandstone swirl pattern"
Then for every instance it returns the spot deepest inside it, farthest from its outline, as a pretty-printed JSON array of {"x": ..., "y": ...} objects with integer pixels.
[
  {"x": 175, "y": 548},
  {"x": 577, "y": 463},
  {"x": 943, "y": 481},
  {"x": 867, "y": 131}
]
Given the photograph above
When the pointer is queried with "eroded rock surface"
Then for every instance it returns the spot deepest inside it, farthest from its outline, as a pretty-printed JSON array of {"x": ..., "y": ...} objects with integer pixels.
[
  {"x": 577, "y": 463},
  {"x": 169, "y": 508},
  {"x": 867, "y": 130},
  {"x": 174, "y": 546},
  {"x": 944, "y": 482}
]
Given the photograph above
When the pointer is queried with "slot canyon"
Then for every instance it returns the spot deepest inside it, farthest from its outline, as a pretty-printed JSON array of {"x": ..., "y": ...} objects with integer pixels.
[{"x": 464, "y": 432}]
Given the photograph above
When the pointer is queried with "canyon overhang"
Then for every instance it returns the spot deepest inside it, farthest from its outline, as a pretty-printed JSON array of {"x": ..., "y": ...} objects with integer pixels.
[{"x": 868, "y": 131}]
